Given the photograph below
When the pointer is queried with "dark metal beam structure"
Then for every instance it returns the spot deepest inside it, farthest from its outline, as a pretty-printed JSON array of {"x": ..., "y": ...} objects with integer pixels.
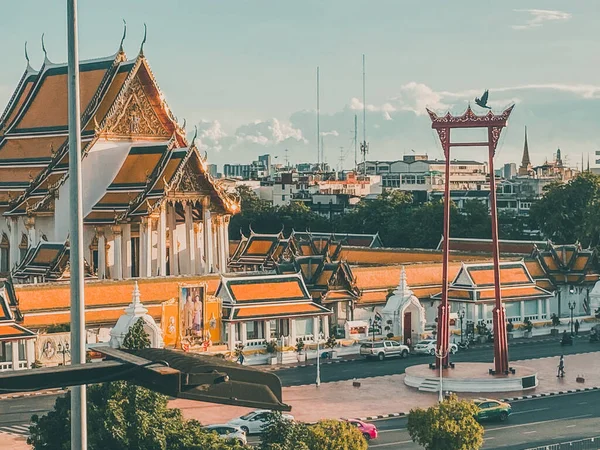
[{"x": 170, "y": 372}]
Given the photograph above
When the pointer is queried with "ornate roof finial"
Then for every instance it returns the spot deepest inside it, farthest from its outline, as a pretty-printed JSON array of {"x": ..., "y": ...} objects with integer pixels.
[
  {"x": 27, "y": 56},
  {"x": 195, "y": 135},
  {"x": 44, "y": 48},
  {"x": 184, "y": 124},
  {"x": 144, "y": 40},
  {"x": 124, "y": 36}
]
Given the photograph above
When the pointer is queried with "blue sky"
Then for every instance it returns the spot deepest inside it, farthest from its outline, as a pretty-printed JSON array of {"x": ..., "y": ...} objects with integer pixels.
[{"x": 244, "y": 71}]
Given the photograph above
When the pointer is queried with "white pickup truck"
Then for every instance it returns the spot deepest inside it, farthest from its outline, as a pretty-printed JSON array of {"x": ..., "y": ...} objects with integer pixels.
[{"x": 383, "y": 349}]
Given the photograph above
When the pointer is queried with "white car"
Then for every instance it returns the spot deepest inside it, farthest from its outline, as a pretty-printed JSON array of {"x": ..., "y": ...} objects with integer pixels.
[
  {"x": 428, "y": 346},
  {"x": 383, "y": 349},
  {"x": 253, "y": 422},
  {"x": 229, "y": 433}
]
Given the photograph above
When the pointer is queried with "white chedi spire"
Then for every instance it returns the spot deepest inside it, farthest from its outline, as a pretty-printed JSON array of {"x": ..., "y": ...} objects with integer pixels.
[
  {"x": 403, "y": 290},
  {"x": 134, "y": 312}
]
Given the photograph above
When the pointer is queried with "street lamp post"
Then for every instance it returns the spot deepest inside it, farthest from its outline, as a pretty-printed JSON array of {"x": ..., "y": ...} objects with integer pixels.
[
  {"x": 63, "y": 349},
  {"x": 318, "y": 381},
  {"x": 441, "y": 356},
  {"x": 572, "y": 307},
  {"x": 461, "y": 316}
]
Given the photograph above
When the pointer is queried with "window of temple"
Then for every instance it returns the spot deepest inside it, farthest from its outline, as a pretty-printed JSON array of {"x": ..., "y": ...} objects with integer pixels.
[
  {"x": 23, "y": 246},
  {"x": 22, "y": 351},
  {"x": 94, "y": 254},
  {"x": 4, "y": 252},
  {"x": 5, "y": 351},
  {"x": 135, "y": 250},
  {"x": 255, "y": 329}
]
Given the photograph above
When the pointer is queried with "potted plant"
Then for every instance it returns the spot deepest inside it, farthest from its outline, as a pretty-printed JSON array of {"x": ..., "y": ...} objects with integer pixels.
[
  {"x": 331, "y": 343},
  {"x": 389, "y": 335},
  {"x": 555, "y": 323},
  {"x": 528, "y": 327},
  {"x": 271, "y": 348},
  {"x": 299, "y": 348},
  {"x": 509, "y": 329}
]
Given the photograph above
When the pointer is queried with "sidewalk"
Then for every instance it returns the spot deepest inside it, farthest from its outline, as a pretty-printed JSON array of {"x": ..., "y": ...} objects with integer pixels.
[{"x": 388, "y": 394}]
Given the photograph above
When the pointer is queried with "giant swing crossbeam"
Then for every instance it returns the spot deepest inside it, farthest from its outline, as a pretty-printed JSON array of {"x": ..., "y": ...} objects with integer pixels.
[{"x": 494, "y": 124}]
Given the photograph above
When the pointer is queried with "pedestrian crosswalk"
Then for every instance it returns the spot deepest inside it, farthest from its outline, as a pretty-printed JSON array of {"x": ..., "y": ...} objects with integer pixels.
[{"x": 19, "y": 429}]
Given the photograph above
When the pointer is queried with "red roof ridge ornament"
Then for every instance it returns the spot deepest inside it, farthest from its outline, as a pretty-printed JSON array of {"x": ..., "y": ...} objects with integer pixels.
[{"x": 469, "y": 118}]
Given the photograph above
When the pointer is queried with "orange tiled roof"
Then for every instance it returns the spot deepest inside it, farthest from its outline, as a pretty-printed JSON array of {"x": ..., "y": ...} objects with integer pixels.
[
  {"x": 389, "y": 276},
  {"x": 259, "y": 247},
  {"x": 373, "y": 297},
  {"x": 267, "y": 290},
  {"x": 300, "y": 309},
  {"x": 11, "y": 331},
  {"x": 508, "y": 275},
  {"x": 515, "y": 292},
  {"x": 26, "y": 149},
  {"x": 581, "y": 262},
  {"x": 535, "y": 268}
]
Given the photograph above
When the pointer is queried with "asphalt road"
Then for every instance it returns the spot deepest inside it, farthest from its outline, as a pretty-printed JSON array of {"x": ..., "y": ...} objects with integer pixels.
[
  {"x": 533, "y": 423},
  {"x": 362, "y": 368}
]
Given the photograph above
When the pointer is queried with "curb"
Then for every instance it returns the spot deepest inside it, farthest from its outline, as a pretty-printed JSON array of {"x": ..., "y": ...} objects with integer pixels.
[
  {"x": 277, "y": 368},
  {"x": 550, "y": 394},
  {"x": 32, "y": 394},
  {"x": 509, "y": 399}
]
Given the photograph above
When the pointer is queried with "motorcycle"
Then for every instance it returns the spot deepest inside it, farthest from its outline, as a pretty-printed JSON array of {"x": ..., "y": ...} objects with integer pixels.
[
  {"x": 464, "y": 345},
  {"x": 566, "y": 340}
]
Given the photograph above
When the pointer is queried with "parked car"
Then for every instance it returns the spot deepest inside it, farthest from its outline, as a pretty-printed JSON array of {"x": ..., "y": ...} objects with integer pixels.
[
  {"x": 368, "y": 430},
  {"x": 490, "y": 409},
  {"x": 383, "y": 349},
  {"x": 427, "y": 347},
  {"x": 229, "y": 432},
  {"x": 253, "y": 422}
]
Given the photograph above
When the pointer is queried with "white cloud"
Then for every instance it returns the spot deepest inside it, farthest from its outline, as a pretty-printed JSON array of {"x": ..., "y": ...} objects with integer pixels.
[
  {"x": 416, "y": 97},
  {"x": 385, "y": 109},
  {"x": 330, "y": 133},
  {"x": 210, "y": 135},
  {"x": 270, "y": 132},
  {"x": 539, "y": 16}
]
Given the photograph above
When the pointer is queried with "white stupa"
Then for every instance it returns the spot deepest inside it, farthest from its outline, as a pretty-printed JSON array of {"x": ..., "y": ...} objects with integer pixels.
[
  {"x": 403, "y": 301},
  {"x": 134, "y": 312}
]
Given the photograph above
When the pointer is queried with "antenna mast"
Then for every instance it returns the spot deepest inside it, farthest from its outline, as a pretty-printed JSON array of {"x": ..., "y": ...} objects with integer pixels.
[
  {"x": 364, "y": 147},
  {"x": 355, "y": 143},
  {"x": 342, "y": 158},
  {"x": 287, "y": 160},
  {"x": 318, "y": 123}
]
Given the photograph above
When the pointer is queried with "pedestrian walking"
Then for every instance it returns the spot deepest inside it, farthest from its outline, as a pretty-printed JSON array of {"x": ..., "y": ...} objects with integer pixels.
[
  {"x": 561, "y": 367},
  {"x": 576, "y": 327}
]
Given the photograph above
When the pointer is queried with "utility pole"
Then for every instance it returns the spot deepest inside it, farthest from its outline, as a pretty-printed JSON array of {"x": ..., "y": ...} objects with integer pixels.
[
  {"x": 341, "y": 159},
  {"x": 322, "y": 155},
  {"x": 78, "y": 393},
  {"x": 287, "y": 159},
  {"x": 364, "y": 147}
]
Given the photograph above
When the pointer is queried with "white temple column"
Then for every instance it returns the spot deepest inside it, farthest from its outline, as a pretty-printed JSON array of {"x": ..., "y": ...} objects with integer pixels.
[
  {"x": 31, "y": 234},
  {"x": 325, "y": 327},
  {"x": 147, "y": 262},
  {"x": 173, "y": 250},
  {"x": 292, "y": 332},
  {"x": 548, "y": 313},
  {"x": 226, "y": 234},
  {"x": 244, "y": 333},
  {"x": 207, "y": 230},
  {"x": 14, "y": 242},
  {"x": 101, "y": 269},
  {"x": 15, "y": 354},
  {"x": 161, "y": 262},
  {"x": 199, "y": 248},
  {"x": 225, "y": 247},
  {"x": 522, "y": 310},
  {"x": 117, "y": 253},
  {"x": 539, "y": 308},
  {"x": 219, "y": 244},
  {"x": 231, "y": 336},
  {"x": 267, "y": 328},
  {"x": 215, "y": 249},
  {"x": 143, "y": 247},
  {"x": 30, "y": 352},
  {"x": 126, "y": 257},
  {"x": 316, "y": 328},
  {"x": 190, "y": 239}
]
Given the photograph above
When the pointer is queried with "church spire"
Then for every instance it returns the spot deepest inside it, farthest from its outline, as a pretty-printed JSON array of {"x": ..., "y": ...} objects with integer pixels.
[{"x": 525, "y": 162}]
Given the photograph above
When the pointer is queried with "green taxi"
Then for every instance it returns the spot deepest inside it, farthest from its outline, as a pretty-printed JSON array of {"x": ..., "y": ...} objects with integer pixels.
[{"x": 489, "y": 409}]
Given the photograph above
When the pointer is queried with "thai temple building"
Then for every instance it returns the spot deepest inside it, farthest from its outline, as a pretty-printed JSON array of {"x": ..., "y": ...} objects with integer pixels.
[
  {"x": 150, "y": 206},
  {"x": 156, "y": 234}
]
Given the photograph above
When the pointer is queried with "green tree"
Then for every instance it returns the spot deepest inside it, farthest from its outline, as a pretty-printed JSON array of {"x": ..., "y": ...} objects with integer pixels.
[
  {"x": 123, "y": 416},
  {"x": 137, "y": 338},
  {"x": 280, "y": 433},
  {"x": 451, "y": 425},
  {"x": 335, "y": 435},
  {"x": 568, "y": 212}
]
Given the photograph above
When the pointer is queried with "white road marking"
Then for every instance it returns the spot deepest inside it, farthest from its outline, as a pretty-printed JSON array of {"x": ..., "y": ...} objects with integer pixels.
[
  {"x": 390, "y": 443},
  {"x": 529, "y": 432},
  {"x": 529, "y": 411},
  {"x": 570, "y": 426},
  {"x": 538, "y": 423}
]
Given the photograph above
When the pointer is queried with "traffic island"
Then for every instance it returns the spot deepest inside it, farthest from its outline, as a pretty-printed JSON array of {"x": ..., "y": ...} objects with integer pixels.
[{"x": 470, "y": 377}]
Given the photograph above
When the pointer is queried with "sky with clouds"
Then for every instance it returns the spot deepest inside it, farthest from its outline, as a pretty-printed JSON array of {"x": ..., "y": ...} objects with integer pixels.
[{"x": 244, "y": 71}]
